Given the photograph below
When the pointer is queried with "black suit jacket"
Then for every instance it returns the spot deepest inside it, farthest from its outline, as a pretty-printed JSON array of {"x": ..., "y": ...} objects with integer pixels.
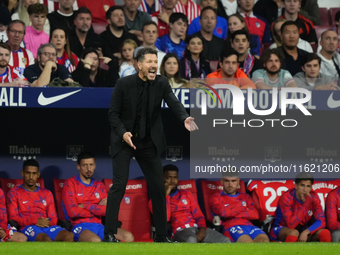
[{"x": 123, "y": 108}]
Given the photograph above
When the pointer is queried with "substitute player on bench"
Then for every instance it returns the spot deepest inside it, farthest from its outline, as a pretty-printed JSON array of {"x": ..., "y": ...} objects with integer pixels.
[
  {"x": 33, "y": 208},
  {"x": 299, "y": 215}
]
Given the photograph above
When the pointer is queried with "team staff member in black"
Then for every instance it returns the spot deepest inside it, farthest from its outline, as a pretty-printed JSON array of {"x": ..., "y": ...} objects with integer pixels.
[{"x": 136, "y": 131}]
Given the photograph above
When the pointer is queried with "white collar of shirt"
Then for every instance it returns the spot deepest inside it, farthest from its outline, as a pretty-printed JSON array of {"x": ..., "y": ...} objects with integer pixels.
[
  {"x": 65, "y": 15},
  {"x": 251, "y": 15}
]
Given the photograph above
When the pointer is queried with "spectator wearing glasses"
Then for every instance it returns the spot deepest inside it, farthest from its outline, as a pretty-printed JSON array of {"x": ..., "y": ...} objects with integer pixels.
[
  {"x": 20, "y": 57},
  {"x": 46, "y": 69}
]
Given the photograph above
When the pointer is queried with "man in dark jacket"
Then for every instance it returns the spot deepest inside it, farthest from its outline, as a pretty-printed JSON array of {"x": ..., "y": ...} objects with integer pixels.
[
  {"x": 82, "y": 36},
  {"x": 115, "y": 33},
  {"x": 136, "y": 131}
]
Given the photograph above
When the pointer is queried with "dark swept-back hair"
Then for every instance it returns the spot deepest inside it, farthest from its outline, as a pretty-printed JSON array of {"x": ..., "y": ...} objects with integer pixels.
[
  {"x": 66, "y": 46},
  {"x": 287, "y": 23},
  {"x": 82, "y": 10},
  {"x": 227, "y": 53},
  {"x": 240, "y": 32},
  {"x": 206, "y": 9},
  {"x": 170, "y": 167},
  {"x": 310, "y": 57},
  {"x": 30, "y": 162},
  {"x": 148, "y": 23},
  {"x": 84, "y": 155},
  {"x": 112, "y": 9},
  {"x": 142, "y": 52},
  {"x": 177, "y": 16},
  {"x": 304, "y": 177},
  {"x": 266, "y": 55}
]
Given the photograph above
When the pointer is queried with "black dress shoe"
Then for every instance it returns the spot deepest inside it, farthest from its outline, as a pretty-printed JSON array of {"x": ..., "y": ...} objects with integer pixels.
[
  {"x": 162, "y": 239},
  {"x": 110, "y": 238}
]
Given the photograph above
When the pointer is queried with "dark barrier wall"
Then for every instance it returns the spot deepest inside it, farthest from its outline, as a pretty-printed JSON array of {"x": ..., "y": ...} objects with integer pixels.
[
  {"x": 53, "y": 126},
  {"x": 55, "y": 136}
]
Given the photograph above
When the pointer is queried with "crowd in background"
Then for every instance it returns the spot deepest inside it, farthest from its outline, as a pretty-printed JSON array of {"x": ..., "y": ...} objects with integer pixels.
[{"x": 272, "y": 43}]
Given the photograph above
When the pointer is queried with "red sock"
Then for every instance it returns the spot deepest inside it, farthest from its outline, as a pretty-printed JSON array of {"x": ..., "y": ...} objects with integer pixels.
[
  {"x": 291, "y": 239},
  {"x": 325, "y": 236}
]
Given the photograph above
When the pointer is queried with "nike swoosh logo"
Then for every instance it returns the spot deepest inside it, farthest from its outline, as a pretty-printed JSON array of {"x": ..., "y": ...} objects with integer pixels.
[
  {"x": 42, "y": 100},
  {"x": 331, "y": 103},
  {"x": 25, "y": 202}
]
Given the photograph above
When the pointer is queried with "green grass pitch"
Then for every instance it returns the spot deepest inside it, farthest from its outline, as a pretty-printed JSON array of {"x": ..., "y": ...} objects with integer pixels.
[{"x": 168, "y": 249}]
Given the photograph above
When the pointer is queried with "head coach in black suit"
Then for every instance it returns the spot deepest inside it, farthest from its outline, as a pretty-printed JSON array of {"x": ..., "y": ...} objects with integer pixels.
[{"x": 137, "y": 131}]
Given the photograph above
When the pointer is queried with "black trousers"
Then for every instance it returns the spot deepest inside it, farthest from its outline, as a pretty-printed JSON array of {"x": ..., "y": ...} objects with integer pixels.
[{"x": 151, "y": 165}]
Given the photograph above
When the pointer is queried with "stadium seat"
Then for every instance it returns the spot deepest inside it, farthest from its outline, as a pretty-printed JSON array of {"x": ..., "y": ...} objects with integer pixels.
[
  {"x": 214, "y": 65},
  {"x": 134, "y": 211},
  {"x": 322, "y": 188},
  {"x": 7, "y": 184},
  {"x": 99, "y": 27},
  {"x": 332, "y": 12},
  {"x": 58, "y": 190},
  {"x": 211, "y": 187},
  {"x": 324, "y": 16},
  {"x": 320, "y": 29},
  {"x": 266, "y": 195},
  {"x": 188, "y": 185},
  {"x": 107, "y": 184}
]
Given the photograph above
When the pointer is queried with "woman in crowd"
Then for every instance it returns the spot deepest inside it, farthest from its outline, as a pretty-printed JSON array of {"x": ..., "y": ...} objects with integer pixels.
[
  {"x": 22, "y": 14},
  {"x": 64, "y": 55},
  {"x": 237, "y": 22},
  {"x": 127, "y": 50},
  {"x": 90, "y": 74},
  {"x": 276, "y": 32},
  {"x": 192, "y": 65},
  {"x": 170, "y": 69}
]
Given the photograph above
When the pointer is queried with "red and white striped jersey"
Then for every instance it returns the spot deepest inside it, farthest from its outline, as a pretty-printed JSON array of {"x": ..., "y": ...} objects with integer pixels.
[
  {"x": 191, "y": 9},
  {"x": 143, "y": 7},
  {"x": 21, "y": 59},
  {"x": 65, "y": 61},
  {"x": 11, "y": 74},
  {"x": 54, "y": 6}
]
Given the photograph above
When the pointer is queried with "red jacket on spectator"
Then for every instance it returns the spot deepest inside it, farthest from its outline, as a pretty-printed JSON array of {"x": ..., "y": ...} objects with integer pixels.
[
  {"x": 306, "y": 29},
  {"x": 98, "y": 8},
  {"x": 258, "y": 27},
  {"x": 163, "y": 28}
]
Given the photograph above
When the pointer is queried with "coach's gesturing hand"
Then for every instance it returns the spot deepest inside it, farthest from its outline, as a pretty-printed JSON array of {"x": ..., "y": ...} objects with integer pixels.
[
  {"x": 190, "y": 124},
  {"x": 127, "y": 138}
]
